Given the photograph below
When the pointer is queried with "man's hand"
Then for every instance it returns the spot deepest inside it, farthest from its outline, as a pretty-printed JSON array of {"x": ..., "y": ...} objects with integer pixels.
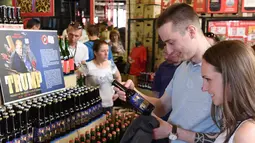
[
  {"x": 122, "y": 95},
  {"x": 163, "y": 130},
  {"x": 115, "y": 97}
]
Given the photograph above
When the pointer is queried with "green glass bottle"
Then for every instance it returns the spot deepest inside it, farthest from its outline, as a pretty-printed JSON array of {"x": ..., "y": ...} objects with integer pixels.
[
  {"x": 87, "y": 135},
  {"x": 82, "y": 138},
  {"x": 109, "y": 140}
]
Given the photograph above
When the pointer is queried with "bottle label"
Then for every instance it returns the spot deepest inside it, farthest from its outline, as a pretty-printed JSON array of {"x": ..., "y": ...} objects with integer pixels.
[
  {"x": 40, "y": 134},
  {"x": 53, "y": 129},
  {"x": 16, "y": 140},
  {"x": 58, "y": 127},
  {"x": 73, "y": 122},
  {"x": 23, "y": 138},
  {"x": 86, "y": 116},
  {"x": 78, "y": 119},
  {"x": 62, "y": 126},
  {"x": 139, "y": 103},
  {"x": 30, "y": 137},
  {"x": 68, "y": 124},
  {"x": 83, "y": 117},
  {"x": 48, "y": 132}
]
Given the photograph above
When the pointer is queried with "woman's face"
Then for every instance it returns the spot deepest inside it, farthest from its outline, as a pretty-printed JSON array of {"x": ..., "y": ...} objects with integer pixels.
[
  {"x": 115, "y": 38},
  {"x": 102, "y": 53},
  {"x": 212, "y": 83}
]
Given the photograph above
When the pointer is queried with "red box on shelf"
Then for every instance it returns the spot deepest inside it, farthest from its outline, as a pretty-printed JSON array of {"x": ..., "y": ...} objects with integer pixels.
[
  {"x": 222, "y": 6},
  {"x": 248, "y": 6}
]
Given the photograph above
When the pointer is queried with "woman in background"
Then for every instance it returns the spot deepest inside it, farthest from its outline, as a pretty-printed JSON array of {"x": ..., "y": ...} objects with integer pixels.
[{"x": 101, "y": 72}]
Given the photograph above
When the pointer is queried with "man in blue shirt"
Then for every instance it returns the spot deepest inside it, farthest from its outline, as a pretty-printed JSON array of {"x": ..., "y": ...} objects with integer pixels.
[
  {"x": 93, "y": 33},
  {"x": 190, "y": 119},
  {"x": 164, "y": 75}
]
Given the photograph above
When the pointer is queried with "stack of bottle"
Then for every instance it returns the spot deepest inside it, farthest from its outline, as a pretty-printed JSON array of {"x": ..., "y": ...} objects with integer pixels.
[
  {"x": 50, "y": 116},
  {"x": 111, "y": 131},
  {"x": 10, "y": 17},
  {"x": 67, "y": 59},
  {"x": 145, "y": 80}
]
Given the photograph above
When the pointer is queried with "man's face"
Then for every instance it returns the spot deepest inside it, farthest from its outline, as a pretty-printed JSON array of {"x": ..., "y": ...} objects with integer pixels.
[
  {"x": 179, "y": 46},
  {"x": 19, "y": 48},
  {"x": 74, "y": 35},
  {"x": 36, "y": 27}
]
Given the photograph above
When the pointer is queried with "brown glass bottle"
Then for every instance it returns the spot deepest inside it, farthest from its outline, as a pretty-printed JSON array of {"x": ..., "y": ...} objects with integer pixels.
[{"x": 136, "y": 100}]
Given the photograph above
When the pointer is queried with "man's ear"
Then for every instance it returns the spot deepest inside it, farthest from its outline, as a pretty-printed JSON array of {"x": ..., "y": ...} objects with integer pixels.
[{"x": 192, "y": 31}]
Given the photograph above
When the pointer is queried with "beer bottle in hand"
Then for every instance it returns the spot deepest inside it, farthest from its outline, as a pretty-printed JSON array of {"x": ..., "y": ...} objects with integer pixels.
[{"x": 135, "y": 99}]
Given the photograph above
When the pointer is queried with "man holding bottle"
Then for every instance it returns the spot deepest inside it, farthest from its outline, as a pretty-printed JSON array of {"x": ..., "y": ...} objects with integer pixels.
[{"x": 190, "y": 120}]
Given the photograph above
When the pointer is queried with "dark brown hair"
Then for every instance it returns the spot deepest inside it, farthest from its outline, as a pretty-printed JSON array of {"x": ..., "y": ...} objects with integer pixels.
[
  {"x": 181, "y": 15},
  {"x": 97, "y": 45},
  {"x": 93, "y": 30},
  {"x": 236, "y": 62}
]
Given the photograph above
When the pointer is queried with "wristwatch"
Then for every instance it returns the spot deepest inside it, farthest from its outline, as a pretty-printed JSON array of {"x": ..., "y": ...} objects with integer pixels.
[{"x": 173, "y": 135}]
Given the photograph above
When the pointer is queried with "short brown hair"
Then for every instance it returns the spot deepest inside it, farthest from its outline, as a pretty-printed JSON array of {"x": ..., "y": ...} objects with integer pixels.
[
  {"x": 181, "y": 15},
  {"x": 93, "y": 30}
]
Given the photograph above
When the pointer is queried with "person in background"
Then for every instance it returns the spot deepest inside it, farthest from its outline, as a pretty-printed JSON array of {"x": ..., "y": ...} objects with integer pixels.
[
  {"x": 101, "y": 72},
  {"x": 228, "y": 76},
  {"x": 138, "y": 59},
  {"x": 84, "y": 36},
  {"x": 77, "y": 49},
  {"x": 164, "y": 75},
  {"x": 93, "y": 33},
  {"x": 212, "y": 38},
  {"x": 33, "y": 24},
  {"x": 117, "y": 50},
  {"x": 190, "y": 120}
]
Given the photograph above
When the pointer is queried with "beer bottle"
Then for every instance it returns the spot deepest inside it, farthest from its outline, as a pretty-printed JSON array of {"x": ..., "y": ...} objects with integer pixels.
[
  {"x": 111, "y": 127},
  {"x": 9, "y": 15},
  {"x": 107, "y": 130},
  {"x": 88, "y": 141},
  {"x": 57, "y": 117},
  {"x": 62, "y": 117},
  {"x": 19, "y": 125},
  {"x": 4, "y": 12},
  {"x": 5, "y": 127},
  {"x": 98, "y": 136},
  {"x": 13, "y": 15},
  {"x": 39, "y": 125},
  {"x": 102, "y": 127},
  {"x": 136, "y": 100},
  {"x": 123, "y": 130},
  {"x": 118, "y": 134},
  {"x": 87, "y": 135},
  {"x": 109, "y": 140},
  {"x": 1, "y": 129},
  {"x": 114, "y": 137},
  {"x": 70, "y": 141},
  {"x": 97, "y": 128},
  {"x": 104, "y": 134},
  {"x": 18, "y": 16},
  {"x": 93, "y": 139},
  {"x": 92, "y": 132},
  {"x": 11, "y": 126},
  {"x": 104, "y": 140},
  {"x": 76, "y": 140},
  {"x": 82, "y": 138},
  {"x": 1, "y": 16}
]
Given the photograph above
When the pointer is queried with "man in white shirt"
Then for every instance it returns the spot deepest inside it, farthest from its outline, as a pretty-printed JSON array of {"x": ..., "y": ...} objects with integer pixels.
[{"x": 77, "y": 49}]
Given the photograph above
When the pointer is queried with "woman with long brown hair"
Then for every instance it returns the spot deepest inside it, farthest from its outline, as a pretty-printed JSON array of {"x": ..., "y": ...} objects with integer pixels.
[{"x": 228, "y": 70}]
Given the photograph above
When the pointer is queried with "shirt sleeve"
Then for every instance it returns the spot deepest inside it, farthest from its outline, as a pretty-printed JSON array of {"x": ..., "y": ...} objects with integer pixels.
[
  {"x": 169, "y": 88},
  {"x": 114, "y": 68},
  {"x": 86, "y": 54},
  {"x": 110, "y": 57}
]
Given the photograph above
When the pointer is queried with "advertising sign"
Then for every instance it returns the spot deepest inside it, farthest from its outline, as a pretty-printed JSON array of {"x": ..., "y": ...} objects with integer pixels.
[
  {"x": 248, "y": 5},
  {"x": 236, "y": 29},
  {"x": 29, "y": 63}
]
